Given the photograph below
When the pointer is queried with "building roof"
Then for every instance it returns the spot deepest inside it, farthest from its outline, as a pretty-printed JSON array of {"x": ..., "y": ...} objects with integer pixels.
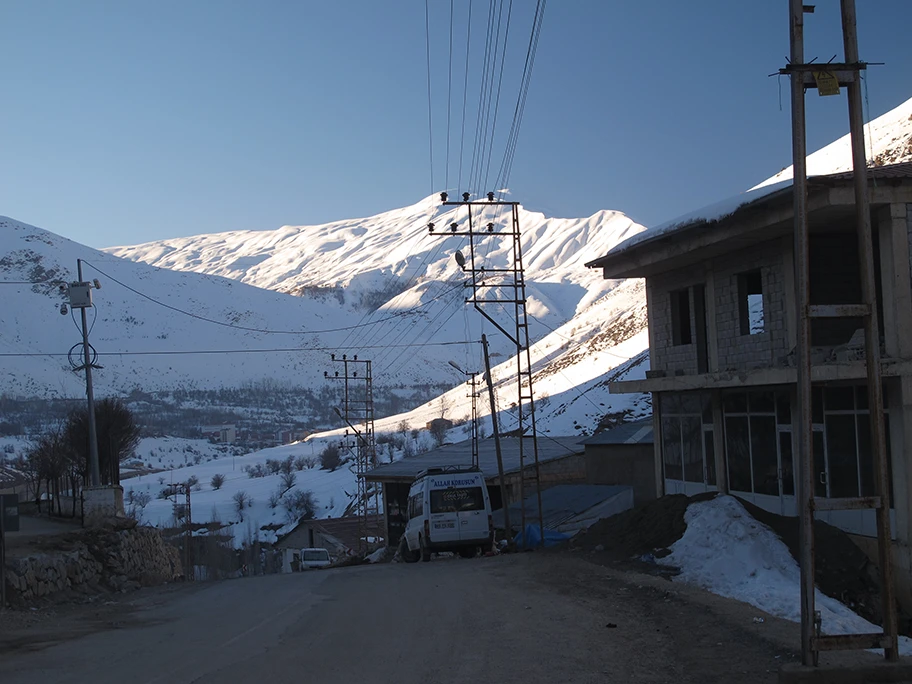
[
  {"x": 346, "y": 529},
  {"x": 705, "y": 219},
  {"x": 549, "y": 449},
  {"x": 634, "y": 432},
  {"x": 560, "y": 504}
]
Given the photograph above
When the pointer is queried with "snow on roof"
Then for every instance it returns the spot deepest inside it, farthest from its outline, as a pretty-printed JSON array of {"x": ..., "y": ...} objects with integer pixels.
[
  {"x": 549, "y": 448},
  {"x": 708, "y": 214}
]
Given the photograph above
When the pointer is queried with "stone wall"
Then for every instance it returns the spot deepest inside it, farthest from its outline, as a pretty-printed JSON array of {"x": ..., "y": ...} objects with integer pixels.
[{"x": 113, "y": 559}]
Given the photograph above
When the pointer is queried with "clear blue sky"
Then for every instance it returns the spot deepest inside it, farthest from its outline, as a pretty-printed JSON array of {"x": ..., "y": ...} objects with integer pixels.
[{"x": 124, "y": 122}]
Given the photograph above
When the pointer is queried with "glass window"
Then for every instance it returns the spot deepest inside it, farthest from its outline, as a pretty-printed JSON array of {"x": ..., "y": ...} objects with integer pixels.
[
  {"x": 737, "y": 444},
  {"x": 763, "y": 455},
  {"x": 783, "y": 408},
  {"x": 457, "y": 499},
  {"x": 820, "y": 483},
  {"x": 788, "y": 462},
  {"x": 709, "y": 450},
  {"x": 762, "y": 402},
  {"x": 691, "y": 403},
  {"x": 671, "y": 403},
  {"x": 842, "y": 455},
  {"x": 817, "y": 405},
  {"x": 692, "y": 445},
  {"x": 671, "y": 442},
  {"x": 861, "y": 397},
  {"x": 735, "y": 402},
  {"x": 839, "y": 398}
]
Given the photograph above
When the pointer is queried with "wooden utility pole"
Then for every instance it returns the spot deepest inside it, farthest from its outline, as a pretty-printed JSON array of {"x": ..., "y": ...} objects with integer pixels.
[{"x": 828, "y": 78}]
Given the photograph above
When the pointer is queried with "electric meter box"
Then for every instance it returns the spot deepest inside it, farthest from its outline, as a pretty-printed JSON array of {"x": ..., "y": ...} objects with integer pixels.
[{"x": 80, "y": 295}]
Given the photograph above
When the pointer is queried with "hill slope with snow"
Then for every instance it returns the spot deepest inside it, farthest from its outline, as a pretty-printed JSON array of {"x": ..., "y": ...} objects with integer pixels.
[{"x": 888, "y": 140}]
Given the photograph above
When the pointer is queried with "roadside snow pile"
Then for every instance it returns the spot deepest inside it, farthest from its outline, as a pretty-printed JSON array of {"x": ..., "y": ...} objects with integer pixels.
[
  {"x": 729, "y": 553},
  {"x": 377, "y": 556}
]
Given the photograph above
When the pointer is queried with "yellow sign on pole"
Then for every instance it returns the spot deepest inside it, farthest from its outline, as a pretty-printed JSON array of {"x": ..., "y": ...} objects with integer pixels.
[{"x": 827, "y": 83}]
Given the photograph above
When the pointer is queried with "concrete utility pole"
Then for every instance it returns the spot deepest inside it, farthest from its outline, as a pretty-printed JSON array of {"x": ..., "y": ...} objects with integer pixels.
[
  {"x": 505, "y": 503},
  {"x": 94, "y": 469}
]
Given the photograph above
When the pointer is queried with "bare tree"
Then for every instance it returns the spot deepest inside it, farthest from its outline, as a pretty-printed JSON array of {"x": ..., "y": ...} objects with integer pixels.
[
  {"x": 300, "y": 505},
  {"x": 330, "y": 458},
  {"x": 117, "y": 434},
  {"x": 288, "y": 480},
  {"x": 241, "y": 502},
  {"x": 217, "y": 481}
]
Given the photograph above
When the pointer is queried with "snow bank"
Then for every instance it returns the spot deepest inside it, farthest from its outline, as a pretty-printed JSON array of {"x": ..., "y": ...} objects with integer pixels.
[{"x": 729, "y": 553}]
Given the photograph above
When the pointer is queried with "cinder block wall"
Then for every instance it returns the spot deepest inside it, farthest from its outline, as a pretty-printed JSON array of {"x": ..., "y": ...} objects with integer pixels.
[
  {"x": 735, "y": 351},
  {"x": 569, "y": 470}
]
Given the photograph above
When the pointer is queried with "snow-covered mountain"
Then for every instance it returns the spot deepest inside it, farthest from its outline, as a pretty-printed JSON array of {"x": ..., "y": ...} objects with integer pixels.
[
  {"x": 888, "y": 140},
  {"x": 382, "y": 287}
]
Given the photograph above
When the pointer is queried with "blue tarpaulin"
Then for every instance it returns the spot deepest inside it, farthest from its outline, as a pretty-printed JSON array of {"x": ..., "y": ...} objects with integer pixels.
[{"x": 533, "y": 537}]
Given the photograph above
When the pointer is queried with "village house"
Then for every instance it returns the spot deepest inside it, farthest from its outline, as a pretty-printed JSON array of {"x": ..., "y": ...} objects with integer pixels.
[{"x": 722, "y": 336}]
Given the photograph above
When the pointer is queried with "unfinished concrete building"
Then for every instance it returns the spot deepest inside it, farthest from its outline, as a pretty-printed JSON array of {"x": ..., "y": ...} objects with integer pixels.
[{"x": 722, "y": 337}]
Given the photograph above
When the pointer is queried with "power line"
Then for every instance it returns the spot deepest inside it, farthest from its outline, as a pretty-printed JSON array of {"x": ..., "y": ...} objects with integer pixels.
[
  {"x": 427, "y": 43},
  {"x": 503, "y": 58},
  {"x": 510, "y": 151},
  {"x": 465, "y": 90},
  {"x": 187, "y": 352},
  {"x": 246, "y": 328},
  {"x": 446, "y": 184}
]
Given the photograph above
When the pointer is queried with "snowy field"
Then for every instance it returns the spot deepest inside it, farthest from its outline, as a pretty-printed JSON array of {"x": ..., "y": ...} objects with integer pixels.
[{"x": 729, "y": 553}]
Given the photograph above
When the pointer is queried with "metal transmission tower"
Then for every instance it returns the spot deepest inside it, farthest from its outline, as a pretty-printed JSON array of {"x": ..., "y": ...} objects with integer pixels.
[
  {"x": 493, "y": 289},
  {"x": 828, "y": 78},
  {"x": 358, "y": 413}
]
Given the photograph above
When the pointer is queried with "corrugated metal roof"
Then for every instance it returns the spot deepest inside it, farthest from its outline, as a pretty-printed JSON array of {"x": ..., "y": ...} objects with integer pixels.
[
  {"x": 549, "y": 449},
  {"x": 634, "y": 432},
  {"x": 560, "y": 503}
]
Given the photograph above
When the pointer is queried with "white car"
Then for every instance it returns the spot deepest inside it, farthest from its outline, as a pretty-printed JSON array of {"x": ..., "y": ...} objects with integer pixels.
[
  {"x": 315, "y": 558},
  {"x": 448, "y": 510}
]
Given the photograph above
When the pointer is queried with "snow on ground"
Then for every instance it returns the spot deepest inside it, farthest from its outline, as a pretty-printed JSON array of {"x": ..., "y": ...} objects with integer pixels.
[
  {"x": 12, "y": 448},
  {"x": 330, "y": 488},
  {"x": 888, "y": 140},
  {"x": 164, "y": 453},
  {"x": 726, "y": 551}
]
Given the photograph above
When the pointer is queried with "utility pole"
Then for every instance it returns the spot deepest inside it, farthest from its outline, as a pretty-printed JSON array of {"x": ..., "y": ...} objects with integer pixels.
[
  {"x": 505, "y": 503},
  {"x": 80, "y": 294},
  {"x": 358, "y": 408},
  {"x": 828, "y": 78},
  {"x": 489, "y": 283},
  {"x": 474, "y": 397}
]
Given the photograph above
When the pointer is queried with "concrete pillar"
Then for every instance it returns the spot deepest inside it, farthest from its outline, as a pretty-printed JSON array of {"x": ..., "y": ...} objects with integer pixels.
[
  {"x": 719, "y": 442},
  {"x": 102, "y": 503},
  {"x": 899, "y": 406},
  {"x": 788, "y": 277},
  {"x": 895, "y": 280},
  {"x": 712, "y": 335},
  {"x": 657, "y": 444}
]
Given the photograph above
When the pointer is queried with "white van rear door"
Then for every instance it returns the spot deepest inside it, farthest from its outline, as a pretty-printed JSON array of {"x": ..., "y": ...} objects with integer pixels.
[{"x": 473, "y": 516}]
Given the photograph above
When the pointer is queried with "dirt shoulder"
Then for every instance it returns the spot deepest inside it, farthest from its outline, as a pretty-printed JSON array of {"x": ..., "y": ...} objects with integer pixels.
[{"x": 73, "y": 615}]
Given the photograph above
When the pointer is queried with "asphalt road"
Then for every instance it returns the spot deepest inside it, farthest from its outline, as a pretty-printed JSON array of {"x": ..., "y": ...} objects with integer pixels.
[{"x": 532, "y": 618}]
